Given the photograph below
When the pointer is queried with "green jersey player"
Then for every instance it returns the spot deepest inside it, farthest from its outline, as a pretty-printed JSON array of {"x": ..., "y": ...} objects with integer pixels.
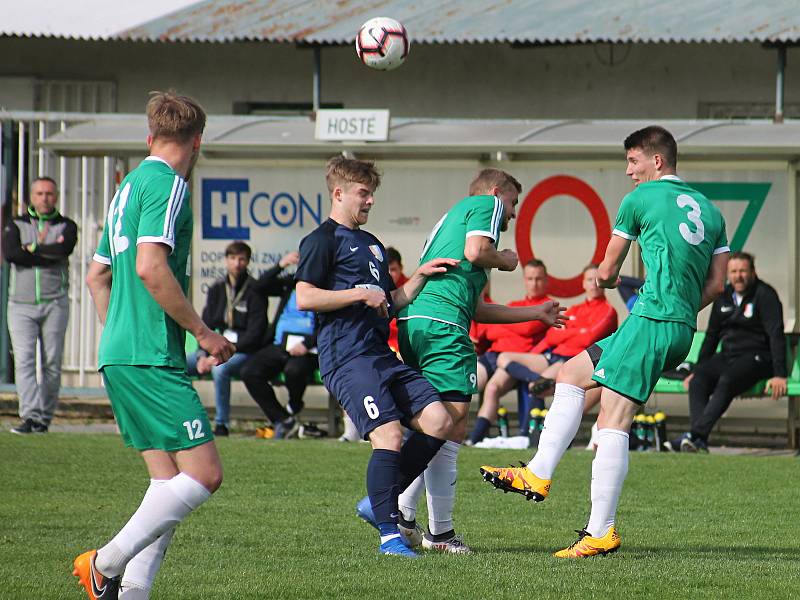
[
  {"x": 138, "y": 282},
  {"x": 433, "y": 333},
  {"x": 685, "y": 251}
]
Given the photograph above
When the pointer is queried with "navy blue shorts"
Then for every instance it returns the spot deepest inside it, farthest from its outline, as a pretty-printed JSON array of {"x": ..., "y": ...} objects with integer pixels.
[
  {"x": 553, "y": 358},
  {"x": 375, "y": 390},
  {"x": 489, "y": 361}
]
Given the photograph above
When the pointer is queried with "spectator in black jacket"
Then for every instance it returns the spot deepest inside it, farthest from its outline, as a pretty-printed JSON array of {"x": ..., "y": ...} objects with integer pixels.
[
  {"x": 748, "y": 321},
  {"x": 291, "y": 351},
  {"x": 235, "y": 306}
]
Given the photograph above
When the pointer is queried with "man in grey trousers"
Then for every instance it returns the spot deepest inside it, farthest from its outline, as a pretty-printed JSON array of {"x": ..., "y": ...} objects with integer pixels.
[{"x": 38, "y": 245}]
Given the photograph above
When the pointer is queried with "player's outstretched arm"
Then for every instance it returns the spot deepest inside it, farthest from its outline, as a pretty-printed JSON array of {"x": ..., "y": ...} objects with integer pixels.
[
  {"x": 480, "y": 251},
  {"x": 98, "y": 280},
  {"x": 608, "y": 271},
  {"x": 715, "y": 279},
  {"x": 310, "y": 297},
  {"x": 403, "y": 295},
  {"x": 549, "y": 313},
  {"x": 157, "y": 277}
]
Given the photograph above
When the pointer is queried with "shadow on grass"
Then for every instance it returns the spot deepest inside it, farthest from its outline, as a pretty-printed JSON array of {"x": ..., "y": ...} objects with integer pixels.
[{"x": 735, "y": 553}]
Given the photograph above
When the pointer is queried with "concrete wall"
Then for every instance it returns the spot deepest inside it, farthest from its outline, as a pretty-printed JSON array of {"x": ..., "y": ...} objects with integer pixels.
[{"x": 483, "y": 80}]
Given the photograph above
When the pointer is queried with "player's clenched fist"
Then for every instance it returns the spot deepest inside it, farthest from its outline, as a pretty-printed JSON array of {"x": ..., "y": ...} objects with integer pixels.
[
  {"x": 216, "y": 346},
  {"x": 376, "y": 298},
  {"x": 510, "y": 260}
]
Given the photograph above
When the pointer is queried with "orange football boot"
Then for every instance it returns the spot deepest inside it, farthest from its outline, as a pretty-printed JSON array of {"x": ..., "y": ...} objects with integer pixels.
[
  {"x": 520, "y": 480},
  {"x": 98, "y": 587},
  {"x": 591, "y": 546}
]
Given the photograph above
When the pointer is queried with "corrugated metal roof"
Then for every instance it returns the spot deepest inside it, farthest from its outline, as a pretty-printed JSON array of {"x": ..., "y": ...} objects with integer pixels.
[
  {"x": 86, "y": 20},
  {"x": 230, "y": 136},
  {"x": 460, "y": 21}
]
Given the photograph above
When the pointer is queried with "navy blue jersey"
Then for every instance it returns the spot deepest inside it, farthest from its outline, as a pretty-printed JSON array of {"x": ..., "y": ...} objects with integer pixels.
[{"x": 333, "y": 257}]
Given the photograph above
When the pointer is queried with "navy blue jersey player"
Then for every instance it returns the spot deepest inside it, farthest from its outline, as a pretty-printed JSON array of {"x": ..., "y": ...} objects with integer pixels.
[{"x": 343, "y": 275}]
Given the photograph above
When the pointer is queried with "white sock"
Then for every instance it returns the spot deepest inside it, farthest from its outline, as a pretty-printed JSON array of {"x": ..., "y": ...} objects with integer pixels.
[
  {"x": 161, "y": 509},
  {"x": 132, "y": 592},
  {"x": 141, "y": 570},
  {"x": 609, "y": 468},
  {"x": 350, "y": 431},
  {"x": 440, "y": 485},
  {"x": 560, "y": 426},
  {"x": 408, "y": 500}
]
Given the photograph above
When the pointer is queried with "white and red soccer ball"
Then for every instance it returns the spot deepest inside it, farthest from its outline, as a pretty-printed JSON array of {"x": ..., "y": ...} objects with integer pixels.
[{"x": 382, "y": 43}]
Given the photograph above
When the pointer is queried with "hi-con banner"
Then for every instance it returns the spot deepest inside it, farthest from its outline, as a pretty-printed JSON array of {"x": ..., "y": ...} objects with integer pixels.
[{"x": 565, "y": 215}]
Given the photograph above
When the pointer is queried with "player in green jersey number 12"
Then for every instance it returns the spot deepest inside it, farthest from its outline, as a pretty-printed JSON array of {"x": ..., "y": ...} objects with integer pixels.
[
  {"x": 138, "y": 282},
  {"x": 685, "y": 251}
]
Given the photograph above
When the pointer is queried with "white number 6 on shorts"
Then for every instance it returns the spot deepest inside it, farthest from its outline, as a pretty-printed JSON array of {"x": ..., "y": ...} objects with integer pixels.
[{"x": 371, "y": 408}]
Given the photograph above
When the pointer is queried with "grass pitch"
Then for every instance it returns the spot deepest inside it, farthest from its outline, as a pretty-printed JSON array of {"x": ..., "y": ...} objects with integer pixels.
[{"x": 283, "y": 526}]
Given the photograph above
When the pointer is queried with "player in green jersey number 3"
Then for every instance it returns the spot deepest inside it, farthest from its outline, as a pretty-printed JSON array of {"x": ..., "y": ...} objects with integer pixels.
[
  {"x": 138, "y": 283},
  {"x": 685, "y": 251}
]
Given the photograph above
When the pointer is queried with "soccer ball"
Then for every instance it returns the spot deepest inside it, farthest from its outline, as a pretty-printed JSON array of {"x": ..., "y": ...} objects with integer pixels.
[{"x": 382, "y": 43}]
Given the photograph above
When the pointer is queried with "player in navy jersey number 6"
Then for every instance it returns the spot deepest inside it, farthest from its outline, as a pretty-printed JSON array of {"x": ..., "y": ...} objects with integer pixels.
[{"x": 343, "y": 275}]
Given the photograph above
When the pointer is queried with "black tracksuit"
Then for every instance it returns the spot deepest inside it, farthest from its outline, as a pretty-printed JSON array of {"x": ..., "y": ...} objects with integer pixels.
[
  {"x": 271, "y": 360},
  {"x": 753, "y": 348}
]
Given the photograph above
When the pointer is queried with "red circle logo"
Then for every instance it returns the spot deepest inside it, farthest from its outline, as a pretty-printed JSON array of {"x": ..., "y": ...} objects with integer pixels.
[{"x": 583, "y": 193}]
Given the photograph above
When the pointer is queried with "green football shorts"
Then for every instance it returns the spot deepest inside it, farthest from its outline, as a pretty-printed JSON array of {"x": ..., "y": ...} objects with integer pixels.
[
  {"x": 442, "y": 352},
  {"x": 156, "y": 408},
  {"x": 638, "y": 352}
]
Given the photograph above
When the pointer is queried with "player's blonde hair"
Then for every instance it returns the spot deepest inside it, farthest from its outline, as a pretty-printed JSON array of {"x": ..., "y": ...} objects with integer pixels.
[
  {"x": 489, "y": 178},
  {"x": 173, "y": 117},
  {"x": 340, "y": 171}
]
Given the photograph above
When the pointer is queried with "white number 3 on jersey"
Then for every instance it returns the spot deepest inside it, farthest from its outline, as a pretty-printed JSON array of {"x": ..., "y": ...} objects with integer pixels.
[{"x": 693, "y": 237}]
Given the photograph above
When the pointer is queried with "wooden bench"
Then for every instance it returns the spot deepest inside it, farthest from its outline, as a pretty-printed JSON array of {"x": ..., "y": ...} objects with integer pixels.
[
  {"x": 333, "y": 412},
  {"x": 675, "y": 386}
]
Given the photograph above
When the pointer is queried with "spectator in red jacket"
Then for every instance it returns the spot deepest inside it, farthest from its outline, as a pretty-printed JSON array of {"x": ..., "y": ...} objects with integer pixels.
[
  {"x": 587, "y": 322},
  {"x": 591, "y": 320},
  {"x": 395, "y": 264},
  {"x": 515, "y": 337}
]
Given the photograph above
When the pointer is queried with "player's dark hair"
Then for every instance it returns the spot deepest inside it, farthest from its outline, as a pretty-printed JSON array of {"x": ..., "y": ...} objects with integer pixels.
[
  {"x": 739, "y": 255},
  {"x": 44, "y": 178},
  {"x": 174, "y": 117},
  {"x": 590, "y": 266},
  {"x": 340, "y": 170},
  {"x": 489, "y": 178},
  {"x": 654, "y": 140},
  {"x": 392, "y": 255},
  {"x": 237, "y": 247},
  {"x": 535, "y": 262}
]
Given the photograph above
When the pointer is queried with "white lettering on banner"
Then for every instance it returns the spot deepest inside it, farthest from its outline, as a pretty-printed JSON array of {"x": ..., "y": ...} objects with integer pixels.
[{"x": 362, "y": 125}]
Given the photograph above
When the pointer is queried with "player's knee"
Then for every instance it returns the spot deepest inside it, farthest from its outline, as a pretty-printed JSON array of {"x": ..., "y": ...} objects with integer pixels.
[
  {"x": 387, "y": 437},
  {"x": 211, "y": 479},
  {"x": 459, "y": 431},
  {"x": 569, "y": 373},
  {"x": 442, "y": 426}
]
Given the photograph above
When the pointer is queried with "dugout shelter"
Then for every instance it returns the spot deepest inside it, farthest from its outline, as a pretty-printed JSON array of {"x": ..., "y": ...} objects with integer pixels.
[{"x": 260, "y": 179}]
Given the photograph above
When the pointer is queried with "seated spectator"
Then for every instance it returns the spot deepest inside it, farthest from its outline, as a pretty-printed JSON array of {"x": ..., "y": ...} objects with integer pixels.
[
  {"x": 292, "y": 351},
  {"x": 235, "y": 308},
  {"x": 591, "y": 320},
  {"x": 747, "y": 319},
  {"x": 514, "y": 337}
]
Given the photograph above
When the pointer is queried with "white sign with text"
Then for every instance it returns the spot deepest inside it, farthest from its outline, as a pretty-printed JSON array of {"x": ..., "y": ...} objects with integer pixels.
[{"x": 360, "y": 125}]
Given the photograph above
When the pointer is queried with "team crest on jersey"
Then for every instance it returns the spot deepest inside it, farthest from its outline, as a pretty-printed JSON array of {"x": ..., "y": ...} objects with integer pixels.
[
  {"x": 748, "y": 310},
  {"x": 376, "y": 250}
]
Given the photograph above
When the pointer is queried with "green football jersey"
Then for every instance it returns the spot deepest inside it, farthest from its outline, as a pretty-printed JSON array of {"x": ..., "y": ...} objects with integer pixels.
[
  {"x": 151, "y": 205},
  {"x": 679, "y": 230},
  {"x": 451, "y": 297}
]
